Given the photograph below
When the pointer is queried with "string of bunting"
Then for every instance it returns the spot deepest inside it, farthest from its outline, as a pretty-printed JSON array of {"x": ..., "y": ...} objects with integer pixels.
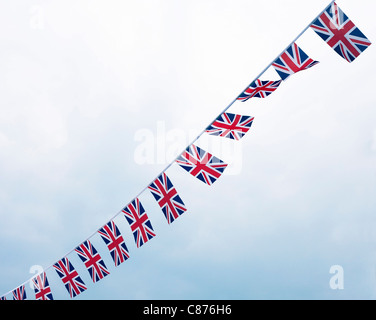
[{"x": 332, "y": 25}]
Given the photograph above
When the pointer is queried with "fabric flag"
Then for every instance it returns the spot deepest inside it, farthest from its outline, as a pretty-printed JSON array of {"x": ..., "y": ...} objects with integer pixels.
[
  {"x": 139, "y": 222},
  {"x": 3, "y": 298},
  {"x": 259, "y": 89},
  {"x": 41, "y": 287},
  {"x": 70, "y": 277},
  {"x": 232, "y": 126},
  {"x": 167, "y": 197},
  {"x": 115, "y": 242},
  {"x": 19, "y": 293},
  {"x": 201, "y": 164},
  {"x": 292, "y": 61},
  {"x": 92, "y": 260},
  {"x": 339, "y": 32}
]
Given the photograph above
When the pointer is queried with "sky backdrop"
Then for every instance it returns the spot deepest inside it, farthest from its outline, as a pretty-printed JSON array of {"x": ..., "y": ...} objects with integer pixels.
[{"x": 97, "y": 97}]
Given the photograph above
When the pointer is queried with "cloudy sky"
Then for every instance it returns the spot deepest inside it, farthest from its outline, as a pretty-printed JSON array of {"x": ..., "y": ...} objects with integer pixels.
[{"x": 97, "y": 97}]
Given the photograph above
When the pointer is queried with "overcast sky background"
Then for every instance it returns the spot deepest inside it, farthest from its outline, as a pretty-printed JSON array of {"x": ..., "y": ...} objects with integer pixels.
[{"x": 85, "y": 84}]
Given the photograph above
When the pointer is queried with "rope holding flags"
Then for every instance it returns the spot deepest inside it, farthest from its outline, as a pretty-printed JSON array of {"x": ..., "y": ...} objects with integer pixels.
[{"x": 332, "y": 25}]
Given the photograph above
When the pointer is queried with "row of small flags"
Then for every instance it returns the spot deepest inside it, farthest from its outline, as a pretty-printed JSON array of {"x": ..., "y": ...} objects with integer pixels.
[{"x": 333, "y": 26}]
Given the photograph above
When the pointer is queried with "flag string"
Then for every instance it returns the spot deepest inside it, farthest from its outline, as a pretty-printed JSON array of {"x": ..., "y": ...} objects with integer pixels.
[
  {"x": 204, "y": 130},
  {"x": 190, "y": 144}
]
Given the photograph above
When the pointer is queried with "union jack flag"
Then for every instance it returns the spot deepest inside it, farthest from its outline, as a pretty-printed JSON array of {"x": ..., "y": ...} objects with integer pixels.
[
  {"x": 139, "y": 222},
  {"x": 229, "y": 125},
  {"x": 3, "y": 298},
  {"x": 292, "y": 61},
  {"x": 19, "y": 293},
  {"x": 259, "y": 89},
  {"x": 41, "y": 287},
  {"x": 92, "y": 260},
  {"x": 115, "y": 242},
  {"x": 339, "y": 32},
  {"x": 167, "y": 197},
  {"x": 71, "y": 279},
  {"x": 201, "y": 164}
]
